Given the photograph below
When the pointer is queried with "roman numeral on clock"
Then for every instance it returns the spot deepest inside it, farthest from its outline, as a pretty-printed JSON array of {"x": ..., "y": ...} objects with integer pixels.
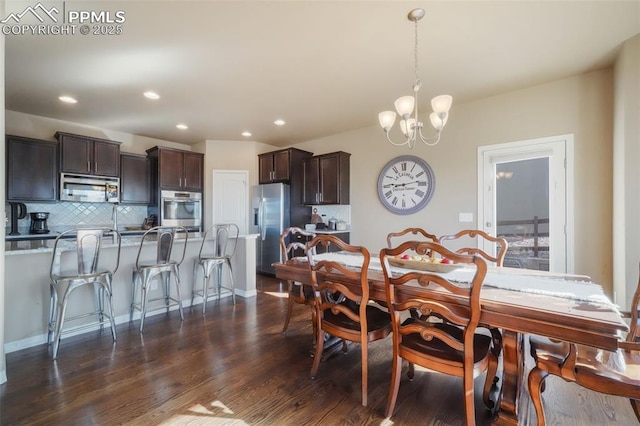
[
  {"x": 388, "y": 194},
  {"x": 420, "y": 193},
  {"x": 395, "y": 201}
]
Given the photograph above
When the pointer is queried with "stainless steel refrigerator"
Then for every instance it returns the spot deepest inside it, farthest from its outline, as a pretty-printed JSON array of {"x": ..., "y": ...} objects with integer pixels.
[{"x": 270, "y": 204}]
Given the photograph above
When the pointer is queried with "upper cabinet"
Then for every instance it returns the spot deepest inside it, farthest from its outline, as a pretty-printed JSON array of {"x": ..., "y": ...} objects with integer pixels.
[
  {"x": 176, "y": 169},
  {"x": 326, "y": 179},
  {"x": 278, "y": 166},
  {"x": 32, "y": 169},
  {"x": 88, "y": 156},
  {"x": 135, "y": 179}
]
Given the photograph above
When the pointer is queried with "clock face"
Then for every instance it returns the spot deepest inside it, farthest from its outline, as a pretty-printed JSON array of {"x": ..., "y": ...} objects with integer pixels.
[{"x": 406, "y": 184}]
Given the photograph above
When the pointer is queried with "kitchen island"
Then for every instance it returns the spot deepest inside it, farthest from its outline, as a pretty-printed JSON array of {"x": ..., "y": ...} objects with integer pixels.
[{"x": 27, "y": 264}]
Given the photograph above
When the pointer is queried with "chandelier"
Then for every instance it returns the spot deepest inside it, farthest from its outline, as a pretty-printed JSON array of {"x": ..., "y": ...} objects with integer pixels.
[{"x": 407, "y": 106}]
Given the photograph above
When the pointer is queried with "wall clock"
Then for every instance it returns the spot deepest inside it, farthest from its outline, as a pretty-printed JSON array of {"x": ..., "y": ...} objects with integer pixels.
[{"x": 406, "y": 184}]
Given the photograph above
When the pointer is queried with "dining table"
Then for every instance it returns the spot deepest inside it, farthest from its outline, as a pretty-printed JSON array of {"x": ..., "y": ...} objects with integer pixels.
[{"x": 560, "y": 306}]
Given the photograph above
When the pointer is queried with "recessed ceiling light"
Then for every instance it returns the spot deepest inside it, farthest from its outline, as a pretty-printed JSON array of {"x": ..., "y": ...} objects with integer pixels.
[
  {"x": 68, "y": 99},
  {"x": 182, "y": 126},
  {"x": 246, "y": 134},
  {"x": 279, "y": 122},
  {"x": 151, "y": 95}
]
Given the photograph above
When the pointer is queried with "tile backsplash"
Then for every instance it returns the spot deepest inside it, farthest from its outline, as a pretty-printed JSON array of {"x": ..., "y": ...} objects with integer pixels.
[{"x": 68, "y": 215}]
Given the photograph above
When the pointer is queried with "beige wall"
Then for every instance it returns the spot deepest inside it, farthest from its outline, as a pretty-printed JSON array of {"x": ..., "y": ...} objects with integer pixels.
[
  {"x": 626, "y": 175},
  {"x": 34, "y": 126},
  {"x": 228, "y": 155},
  {"x": 3, "y": 368},
  {"x": 579, "y": 105}
]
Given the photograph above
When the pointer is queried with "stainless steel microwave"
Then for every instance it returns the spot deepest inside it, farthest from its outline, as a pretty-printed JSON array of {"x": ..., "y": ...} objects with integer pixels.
[
  {"x": 90, "y": 189},
  {"x": 179, "y": 208}
]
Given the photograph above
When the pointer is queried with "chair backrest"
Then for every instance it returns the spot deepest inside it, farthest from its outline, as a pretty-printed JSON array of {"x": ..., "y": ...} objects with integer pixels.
[
  {"x": 476, "y": 234},
  {"x": 289, "y": 242},
  {"x": 465, "y": 315},
  {"x": 220, "y": 241},
  {"x": 331, "y": 295},
  {"x": 88, "y": 245},
  {"x": 164, "y": 237},
  {"x": 395, "y": 238}
]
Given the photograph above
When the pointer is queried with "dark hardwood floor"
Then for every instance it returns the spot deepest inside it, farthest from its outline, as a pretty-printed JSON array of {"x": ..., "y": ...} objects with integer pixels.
[{"x": 233, "y": 366}]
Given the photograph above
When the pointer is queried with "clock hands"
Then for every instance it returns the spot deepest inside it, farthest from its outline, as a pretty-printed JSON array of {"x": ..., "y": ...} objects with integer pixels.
[{"x": 395, "y": 185}]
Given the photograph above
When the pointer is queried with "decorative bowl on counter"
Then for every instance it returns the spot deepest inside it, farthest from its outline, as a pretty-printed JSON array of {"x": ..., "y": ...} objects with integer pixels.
[{"x": 310, "y": 227}]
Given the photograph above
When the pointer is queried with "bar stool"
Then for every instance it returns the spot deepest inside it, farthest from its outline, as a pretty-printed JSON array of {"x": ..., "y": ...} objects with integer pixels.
[
  {"x": 163, "y": 267},
  {"x": 217, "y": 249},
  {"x": 88, "y": 243}
]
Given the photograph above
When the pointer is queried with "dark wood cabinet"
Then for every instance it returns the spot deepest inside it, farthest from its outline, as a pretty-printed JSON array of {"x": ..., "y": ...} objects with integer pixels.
[
  {"x": 344, "y": 236},
  {"x": 286, "y": 166},
  {"x": 326, "y": 179},
  {"x": 279, "y": 166},
  {"x": 32, "y": 169},
  {"x": 88, "y": 156},
  {"x": 135, "y": 179},
  {"x": 176, "y": 169}
]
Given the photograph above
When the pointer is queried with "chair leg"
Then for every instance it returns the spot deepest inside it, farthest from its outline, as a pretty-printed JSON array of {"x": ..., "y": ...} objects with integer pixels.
[
  {"x": 289, "y": 308},
  {"x": 469, "y": 404},
  {"x": 233, "y": 285},
  {"x": 165, "y": 277},
  {"x": 411, "y": 371},
  {"x": 319, "y": 348},
  {"x": 176, "y": 273},
  {"x": 365, "y": 370},
  {"x": 195, "y": 272},
  {"x": 134, "y": 287},
  {"x": 112, "y": 316},
  {"x": 99, "y": 302},
  {"x": 53, "y": 313},
  {"x": 396, "y": 372},
  {"x": 535, "y": 381},
  {"x": 206, "y": 277},
  {"x": 59, "y": 324},
  {"x": 145, "y": 281}
]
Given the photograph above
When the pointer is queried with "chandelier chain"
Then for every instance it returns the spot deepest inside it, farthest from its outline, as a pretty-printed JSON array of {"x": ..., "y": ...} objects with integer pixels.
[{"x": 417, "y": 83}]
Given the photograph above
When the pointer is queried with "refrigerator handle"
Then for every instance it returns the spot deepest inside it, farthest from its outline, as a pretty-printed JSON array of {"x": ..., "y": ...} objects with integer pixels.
[{"x": 261, "y": 227}]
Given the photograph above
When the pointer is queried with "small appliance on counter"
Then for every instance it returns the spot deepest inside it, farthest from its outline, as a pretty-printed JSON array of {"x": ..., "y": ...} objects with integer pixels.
[
  {"x": 39, "y": 223},
  {"x": 18, "y": 211}
]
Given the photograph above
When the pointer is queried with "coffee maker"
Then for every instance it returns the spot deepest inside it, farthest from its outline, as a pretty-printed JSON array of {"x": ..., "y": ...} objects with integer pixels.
[{"x": 39, "y": 223}]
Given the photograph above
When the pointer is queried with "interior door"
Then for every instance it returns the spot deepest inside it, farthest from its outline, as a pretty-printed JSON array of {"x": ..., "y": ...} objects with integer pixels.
[
  {"x": 231, "y": 197},
  {"x": 525, "y": 196}
]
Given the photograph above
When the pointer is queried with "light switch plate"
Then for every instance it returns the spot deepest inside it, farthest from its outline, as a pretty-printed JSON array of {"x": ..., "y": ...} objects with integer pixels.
[{"x": 465, "y": 217}]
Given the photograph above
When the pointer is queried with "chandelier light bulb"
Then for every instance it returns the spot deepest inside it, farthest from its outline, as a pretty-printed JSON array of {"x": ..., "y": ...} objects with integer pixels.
[
  {"x": 387, "y": 118},
  {"x": 404, "y": 105},
  {"x": 441, "y": 103}
]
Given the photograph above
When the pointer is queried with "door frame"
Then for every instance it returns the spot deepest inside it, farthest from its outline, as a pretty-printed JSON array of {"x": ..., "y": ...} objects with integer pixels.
[{"x": 533, "y": 147}]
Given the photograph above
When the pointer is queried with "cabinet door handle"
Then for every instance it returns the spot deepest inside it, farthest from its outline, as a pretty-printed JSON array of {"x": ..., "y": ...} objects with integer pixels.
[
  {"x": 95, "y": 167},
  {"x": 88, "y": 166},
  {"x": 321, "y": 197},
  {"x": 180, "y": 182},
  {"x": 185, "y": 182}
]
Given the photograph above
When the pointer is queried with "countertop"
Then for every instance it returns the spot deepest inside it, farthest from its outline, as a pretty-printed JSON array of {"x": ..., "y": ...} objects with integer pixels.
[{"x": 41, "y": 245}]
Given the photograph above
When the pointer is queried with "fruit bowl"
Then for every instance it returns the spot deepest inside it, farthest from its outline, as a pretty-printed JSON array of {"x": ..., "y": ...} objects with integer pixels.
[{"x": 423, "y": 265}]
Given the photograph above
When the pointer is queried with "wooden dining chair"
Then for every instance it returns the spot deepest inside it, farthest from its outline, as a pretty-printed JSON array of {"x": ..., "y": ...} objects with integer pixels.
[
  {"x": 612, "y": 373},
  {"x": 475, "y": 234},
  {"x": 394, "y": 238},
  {"x": 295, "y": 239},
  {"x": 339, "y": 311},
  {"x": 450, "y": 346},
  {"x": 466, "y": 236}
]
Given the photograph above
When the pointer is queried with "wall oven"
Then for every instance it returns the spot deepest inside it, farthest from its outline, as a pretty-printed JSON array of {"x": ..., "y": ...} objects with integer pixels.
[
  {"x": 91, "y": 189},
  {"x": 181, "y": 209}
]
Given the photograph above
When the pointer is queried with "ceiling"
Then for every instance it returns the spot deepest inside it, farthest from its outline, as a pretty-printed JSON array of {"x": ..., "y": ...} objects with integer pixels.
[{"x": 324, "y": 67}]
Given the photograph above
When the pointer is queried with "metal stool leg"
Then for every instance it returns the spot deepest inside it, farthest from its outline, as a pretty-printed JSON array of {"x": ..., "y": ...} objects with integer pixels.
[
  {"x": 176, "y": 272},
  {"x": 233, "y": 286}
]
